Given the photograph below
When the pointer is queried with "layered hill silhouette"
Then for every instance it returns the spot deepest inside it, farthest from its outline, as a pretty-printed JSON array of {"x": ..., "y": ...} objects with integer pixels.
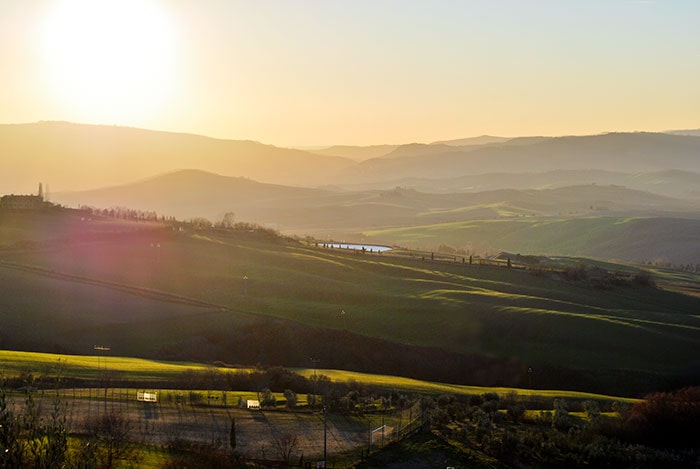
[
  {"x": 78, "y": 156},
  {"x": 352, "y": 214},
  {"x": 623, "y": 152},
  {"x": 633, "y": 197},
  {"x": 672, "y": 183},
  {"x": 194, "y": 193},
  {"x": 347, "y": 192}
]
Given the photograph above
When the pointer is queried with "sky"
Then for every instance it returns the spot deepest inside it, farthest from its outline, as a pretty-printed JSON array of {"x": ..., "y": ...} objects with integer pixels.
[{"x": 357, "y": 72}]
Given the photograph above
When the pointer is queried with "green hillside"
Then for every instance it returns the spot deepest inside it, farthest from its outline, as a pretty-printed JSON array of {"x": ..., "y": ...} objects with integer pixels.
[
  {"x": 92, "y": 367},
  {"x": 247, "y": 297},
  {"x": 641, "y": 239}
]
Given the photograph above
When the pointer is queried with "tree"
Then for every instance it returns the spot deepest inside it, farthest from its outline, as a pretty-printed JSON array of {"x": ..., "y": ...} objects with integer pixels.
[
  {"x": 56, "y": 436},
  {"x": 561, "y": 420},
  {"x": 311, "y": 400},
  {"x": 10, "y": 448},
  {"x": 111, "y": 433},
  {"x": 291, "y": 397},
  {"x": 268, "y": 399},
  {"x": 284, "y": 445},
  {"x": 28, "y": 439},
  {"x": 229, "y": 220}
]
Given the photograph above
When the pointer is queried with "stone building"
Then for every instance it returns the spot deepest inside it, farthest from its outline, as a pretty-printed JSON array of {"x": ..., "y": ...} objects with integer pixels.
[{"x": 24, "y": 202}]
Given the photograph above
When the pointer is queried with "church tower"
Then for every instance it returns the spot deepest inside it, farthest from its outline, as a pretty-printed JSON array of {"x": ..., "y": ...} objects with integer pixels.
[{"x": 41, "y": 192}]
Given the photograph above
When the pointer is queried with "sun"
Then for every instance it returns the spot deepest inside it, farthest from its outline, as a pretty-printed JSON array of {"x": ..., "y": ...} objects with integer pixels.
[{"x": 109, "y": 60}]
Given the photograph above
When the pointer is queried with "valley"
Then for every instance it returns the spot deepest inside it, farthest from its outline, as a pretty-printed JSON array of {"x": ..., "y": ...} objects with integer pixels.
[
  {"x": 183, "y": 293},
  {"x": 507, "y": 293}
]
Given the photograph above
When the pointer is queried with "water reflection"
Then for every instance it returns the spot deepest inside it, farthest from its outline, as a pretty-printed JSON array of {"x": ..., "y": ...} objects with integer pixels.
[{"x": 357, "y": 247}]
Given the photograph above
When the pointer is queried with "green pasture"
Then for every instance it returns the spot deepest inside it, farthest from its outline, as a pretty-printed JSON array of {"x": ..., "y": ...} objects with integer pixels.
[
  {"x": 409, "y": 385},
  {"x": 14, "y": 363},
  {"x": 604, "y": 237},
  {"x": 468, "y": 309}
]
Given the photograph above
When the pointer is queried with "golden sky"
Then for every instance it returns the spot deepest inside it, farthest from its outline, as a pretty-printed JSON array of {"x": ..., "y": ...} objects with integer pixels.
[{"x": 303, "y": 73}]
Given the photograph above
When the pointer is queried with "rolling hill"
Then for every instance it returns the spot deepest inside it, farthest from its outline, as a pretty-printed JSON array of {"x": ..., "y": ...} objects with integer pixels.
[
  {"x": 80, "y": 157},
  {"x": 481, "y": 140},
  {"x": 636, "y": 239},
  {"x": 243, "y": 297},
  {"x": 671, "y": 183},
  {"x": 357, "y": 153},
  {"x": 393, "y": 213},
  {"x": 652, "y": 176},
  {"x": 623, "y": 152}
]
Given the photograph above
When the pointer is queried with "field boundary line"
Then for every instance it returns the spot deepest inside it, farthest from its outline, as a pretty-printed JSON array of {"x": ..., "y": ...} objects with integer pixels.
[{"x": 140, "y": 291}]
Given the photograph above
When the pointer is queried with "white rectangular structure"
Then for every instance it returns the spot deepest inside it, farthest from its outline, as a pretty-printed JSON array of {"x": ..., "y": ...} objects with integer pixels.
[
  {"x": 253, "y": 404},
  {"x": 147, "y": 396}
]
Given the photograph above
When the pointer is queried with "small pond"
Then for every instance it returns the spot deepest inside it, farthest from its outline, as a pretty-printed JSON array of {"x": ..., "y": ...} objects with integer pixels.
[{"x": 357, "y": 247}]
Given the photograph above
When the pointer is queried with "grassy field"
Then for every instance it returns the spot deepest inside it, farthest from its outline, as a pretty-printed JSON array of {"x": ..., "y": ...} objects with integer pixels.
[
  {"x": 92, "y": 366},
  {"x": 605, "y": 237},
  {"x": 209, "y": 295},
  {"x": 14, "y": 363}
]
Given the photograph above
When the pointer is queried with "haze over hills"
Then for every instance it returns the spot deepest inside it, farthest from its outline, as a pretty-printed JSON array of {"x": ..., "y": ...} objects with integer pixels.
[
  {"x": 193, "y": 193},
  {"x": 356, "y": 214},
  {"x": 481, "y": 140},
  {"x": 78, "y": 157},
  {"x": 187, "y": 176},
  {"x": 672, "y": 183},
  {"x": 361, "y": 153},
  {"x": 187, "y": 194},
  {"x": 631, "y": 197},
  {"x": 693, "y": 132},
  {"x": 624, "y": 152},
  {"x": 357, "y": 153}
]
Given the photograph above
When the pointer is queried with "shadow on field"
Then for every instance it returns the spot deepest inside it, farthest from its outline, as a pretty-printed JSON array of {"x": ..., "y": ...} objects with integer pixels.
[
  {"x": 150, "y": 411},
  {"x": 259, "y": 417}
]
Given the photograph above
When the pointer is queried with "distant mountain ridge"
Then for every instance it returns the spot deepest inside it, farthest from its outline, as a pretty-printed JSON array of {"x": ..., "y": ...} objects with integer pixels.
[
  {"x": 193, "y": 193},
  {"x": 357, "y": 153},
  {"x": 691, "y": 132},
  {"x": 671, "y": 183},
  {"x": 480, "y": 140},
  {"x": 622, "y": 152},
  {"x": 78, "y": 156}
]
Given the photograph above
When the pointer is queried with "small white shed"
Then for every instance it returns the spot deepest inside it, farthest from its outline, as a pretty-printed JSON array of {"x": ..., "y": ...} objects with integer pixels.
[{"x": 147, "y": 396}]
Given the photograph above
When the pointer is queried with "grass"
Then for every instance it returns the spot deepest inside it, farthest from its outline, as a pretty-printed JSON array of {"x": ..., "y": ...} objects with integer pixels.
[
  {"x": 13, "y": 363},
  {"x": 409, "y": 385},
  {"x": 238, "y": 278},
  {"x": 607, "y": 237}
]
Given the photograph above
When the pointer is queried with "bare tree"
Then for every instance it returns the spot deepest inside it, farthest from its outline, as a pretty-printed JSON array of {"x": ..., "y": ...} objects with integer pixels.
[
  {"x": 111, "y": 433},
  {"x": 285, "y": 444}
]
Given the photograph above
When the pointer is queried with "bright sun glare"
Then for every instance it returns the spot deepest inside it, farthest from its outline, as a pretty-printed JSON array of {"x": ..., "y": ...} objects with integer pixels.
[{"x": 109, "y": 60}]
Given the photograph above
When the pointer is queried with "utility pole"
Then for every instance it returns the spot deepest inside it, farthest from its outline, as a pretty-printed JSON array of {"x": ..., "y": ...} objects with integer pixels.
[
  {"x": 103, "y": 348},
  {"x": 324, "y": 435},
  {"x": 315, "y": 362}
]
